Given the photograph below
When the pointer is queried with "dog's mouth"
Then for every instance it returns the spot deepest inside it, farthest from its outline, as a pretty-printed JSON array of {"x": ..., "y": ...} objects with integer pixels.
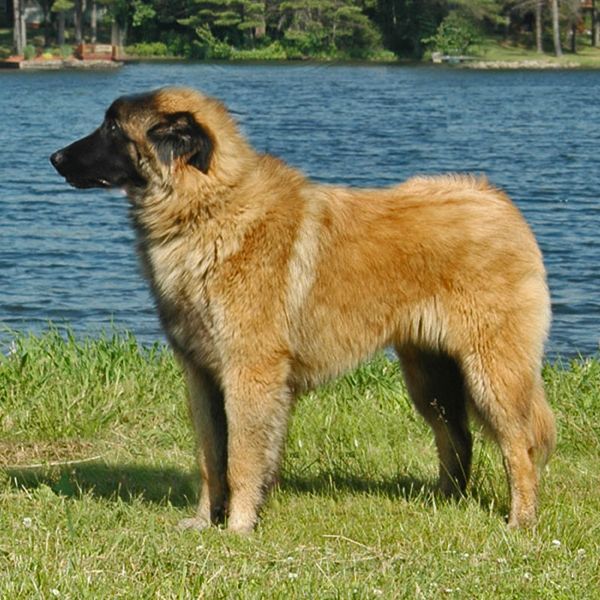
[{"x": 84, "y": 184}]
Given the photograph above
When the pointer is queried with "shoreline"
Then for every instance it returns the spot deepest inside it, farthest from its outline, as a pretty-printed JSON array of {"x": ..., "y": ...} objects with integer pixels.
[
  {"x": 525, "y": 64},
  {"x": 59, "y": 64},
  {"x": 474, "y": 63}
]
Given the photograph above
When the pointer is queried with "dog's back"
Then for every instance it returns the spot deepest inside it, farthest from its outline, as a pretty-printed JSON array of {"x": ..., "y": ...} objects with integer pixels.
[{"x": 268, "y": 284}]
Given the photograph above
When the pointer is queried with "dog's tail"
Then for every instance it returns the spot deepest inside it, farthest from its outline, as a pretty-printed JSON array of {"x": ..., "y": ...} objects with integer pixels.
[{"x": 543, "y": 427}]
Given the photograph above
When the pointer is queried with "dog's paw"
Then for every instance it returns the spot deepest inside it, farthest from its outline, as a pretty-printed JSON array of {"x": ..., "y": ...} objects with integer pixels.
[
  {"x": 241, "y": 526},
  {"x": 196, "y": 523}
]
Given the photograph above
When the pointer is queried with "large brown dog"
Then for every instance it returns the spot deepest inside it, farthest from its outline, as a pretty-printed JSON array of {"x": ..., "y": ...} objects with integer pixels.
[{"x": 268, "y": 284}]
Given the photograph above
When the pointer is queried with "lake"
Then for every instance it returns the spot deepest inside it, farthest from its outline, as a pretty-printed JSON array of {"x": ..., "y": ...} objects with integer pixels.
[{"x": 67, "y": 255}]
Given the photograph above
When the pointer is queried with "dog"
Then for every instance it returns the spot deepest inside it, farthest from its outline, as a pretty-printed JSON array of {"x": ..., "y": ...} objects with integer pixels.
[{"x": 268, "y": 284}]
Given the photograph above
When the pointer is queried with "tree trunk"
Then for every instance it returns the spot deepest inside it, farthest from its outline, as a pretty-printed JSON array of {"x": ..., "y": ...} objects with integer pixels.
[
  {"x": 539, "y": 27},
  {"x": 94, "y": 22},
  {"x": 556, "y": 27},
  {"x": 23, "y": 25},
  {"x": 118, "y": 36},
  {"x": 17, "y": 46},
  {"x": 78, "y": 17},
  {"x": 594, "y": 18},
  {"x": 114, "y": 33},
  {"x": 47, "y": 26},
  {"x": 19, "y": 28},
  {"x": 574, "y": 38},
  {"x": 61, "y": 29}
]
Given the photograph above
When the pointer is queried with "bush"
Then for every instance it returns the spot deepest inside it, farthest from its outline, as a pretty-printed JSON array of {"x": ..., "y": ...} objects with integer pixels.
[
  {"x": 147, "y": 49},
  {"x": 356, "y": 36},
  {"x": 300, "y": 44},
  {"x": 178, "y": 44},
  {"x": 65, "y": 51},
  {"x": 29, "y": 52},
  {"x": 454, "y": 36},
  {"x": 208, "y": 46},
  {"x": 274, "y": 51}
]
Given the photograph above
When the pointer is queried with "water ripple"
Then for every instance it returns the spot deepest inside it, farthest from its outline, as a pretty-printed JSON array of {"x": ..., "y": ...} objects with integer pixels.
[{"x": 67, "y": 255}]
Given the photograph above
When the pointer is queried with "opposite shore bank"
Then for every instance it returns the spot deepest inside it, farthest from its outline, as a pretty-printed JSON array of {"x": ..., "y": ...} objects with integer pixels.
[{"x": 516, "y": 62}]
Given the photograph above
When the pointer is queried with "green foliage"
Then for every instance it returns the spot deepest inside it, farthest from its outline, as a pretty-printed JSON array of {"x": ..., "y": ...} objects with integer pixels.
[
  {"x": 334, "y": 28},
  {"x": 492, "y": 11},
  {"x": 65, "y": 51},
  {"x": 148, "y": 49},
  {"x": 273, "y": 51},
  {"x": 300, "y": 44},
  {"x": 454, "y": 36},
  {"x": 231, "y": 21},
  {"x": 29, "y": 52},
  {"x": 62, "y": 5},
  {"x": 404, "y": 23},
  {"x": 178, "y": 44},
  {"x": 355, "y": 34},
  {"x": 142, "y": 13},
  {"x": 207, "y": 46},
  {"x": 327, "y": 29}
]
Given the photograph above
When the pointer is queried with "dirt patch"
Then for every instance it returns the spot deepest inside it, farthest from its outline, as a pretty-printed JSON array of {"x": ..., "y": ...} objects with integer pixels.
[{"x": 24, "y": 455}]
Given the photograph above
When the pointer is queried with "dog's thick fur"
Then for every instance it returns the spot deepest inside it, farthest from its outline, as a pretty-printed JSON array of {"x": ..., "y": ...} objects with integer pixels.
[{"x": 268, "y": 284}]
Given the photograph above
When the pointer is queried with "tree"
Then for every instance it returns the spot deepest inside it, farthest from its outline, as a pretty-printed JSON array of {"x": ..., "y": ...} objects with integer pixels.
[
  {"x": 253, "y": 19},
  {"x": 45, "y": 6},
  {"x": 454, "y": 35},
  {"x": 405, "y": 23},
  {"x": 539, "y": 25},
  {"x": 572, "y": 11},
  {"x": 61, "y": 7},
  {"x": 353, "y": 32},
  {"x": 20, "y": 27},
  {"x": 329, "y": 26},
  {"x": 94, "y": 22},
  {"x": 556, "y": 27},
  {"x": 594, "y": 24},
  {"x": 480, "y": 10},
  {"x": 78, "y": 17},
  {"x": 233, "y": 21},
  {"x": 522, "y": 9},
  {"x": 120, "y": 17}
]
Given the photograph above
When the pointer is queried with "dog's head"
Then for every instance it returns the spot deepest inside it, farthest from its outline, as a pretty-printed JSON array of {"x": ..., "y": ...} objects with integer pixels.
[{"x": 151, "y": 138}]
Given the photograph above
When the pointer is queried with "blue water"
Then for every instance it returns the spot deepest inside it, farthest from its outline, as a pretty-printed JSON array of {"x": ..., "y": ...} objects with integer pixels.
[{"x": 67, "y": 255}]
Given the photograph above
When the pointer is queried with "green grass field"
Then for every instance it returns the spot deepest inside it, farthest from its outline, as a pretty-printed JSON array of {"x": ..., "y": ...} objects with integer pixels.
[
  {"x": 492, "y": 50},
  {"x": 97, "y": 468}
]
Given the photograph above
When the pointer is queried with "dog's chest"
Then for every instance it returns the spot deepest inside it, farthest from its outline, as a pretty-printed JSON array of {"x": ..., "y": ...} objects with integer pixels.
[{"x": 178, "y": 273}]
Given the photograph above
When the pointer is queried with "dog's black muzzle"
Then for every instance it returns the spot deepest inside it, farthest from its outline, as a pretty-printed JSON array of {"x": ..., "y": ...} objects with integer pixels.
[{"x": 97, "y": 161}]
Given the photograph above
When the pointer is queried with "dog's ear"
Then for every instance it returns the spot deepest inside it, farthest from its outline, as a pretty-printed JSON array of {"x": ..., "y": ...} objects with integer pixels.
[{"x": 180, "y": 135}]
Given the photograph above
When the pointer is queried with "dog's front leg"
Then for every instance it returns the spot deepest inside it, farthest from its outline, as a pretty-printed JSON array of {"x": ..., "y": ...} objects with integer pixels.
[
  {"x": 208, "y": 416},
  {"x": 257, "y": 404}
]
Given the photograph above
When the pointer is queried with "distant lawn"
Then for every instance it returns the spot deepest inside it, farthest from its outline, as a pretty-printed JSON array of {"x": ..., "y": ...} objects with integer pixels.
[
  {"x": 353, "y": 515},
  {"x": 492, "y": 50}
]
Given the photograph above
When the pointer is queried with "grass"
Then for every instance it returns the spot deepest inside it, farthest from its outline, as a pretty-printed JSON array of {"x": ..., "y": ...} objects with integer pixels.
[
  {"x": 497, "y": 51},
  {"x": 97, "y": 458}
]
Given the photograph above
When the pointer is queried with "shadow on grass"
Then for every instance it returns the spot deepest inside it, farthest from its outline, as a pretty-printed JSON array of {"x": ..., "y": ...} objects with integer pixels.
[
  {"x": 125, "y": 481},
  {"x": 180, "y": 489},
  {"x": 332, "y": 484}
]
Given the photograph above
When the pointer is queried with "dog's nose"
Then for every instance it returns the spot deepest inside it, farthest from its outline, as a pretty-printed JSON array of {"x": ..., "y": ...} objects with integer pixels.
[{"x": 57, "y": 158}]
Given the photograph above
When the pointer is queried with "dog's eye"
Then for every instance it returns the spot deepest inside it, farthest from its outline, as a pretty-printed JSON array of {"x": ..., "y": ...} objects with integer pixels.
[{"x": 112, "y": 126}]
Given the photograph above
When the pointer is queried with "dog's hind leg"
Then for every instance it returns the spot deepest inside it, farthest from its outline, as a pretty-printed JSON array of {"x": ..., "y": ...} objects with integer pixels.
[
  {"x": 508, "y": 396},
  {"x": 208, "y": 416},
  {"x": 436, "y": 387}
]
